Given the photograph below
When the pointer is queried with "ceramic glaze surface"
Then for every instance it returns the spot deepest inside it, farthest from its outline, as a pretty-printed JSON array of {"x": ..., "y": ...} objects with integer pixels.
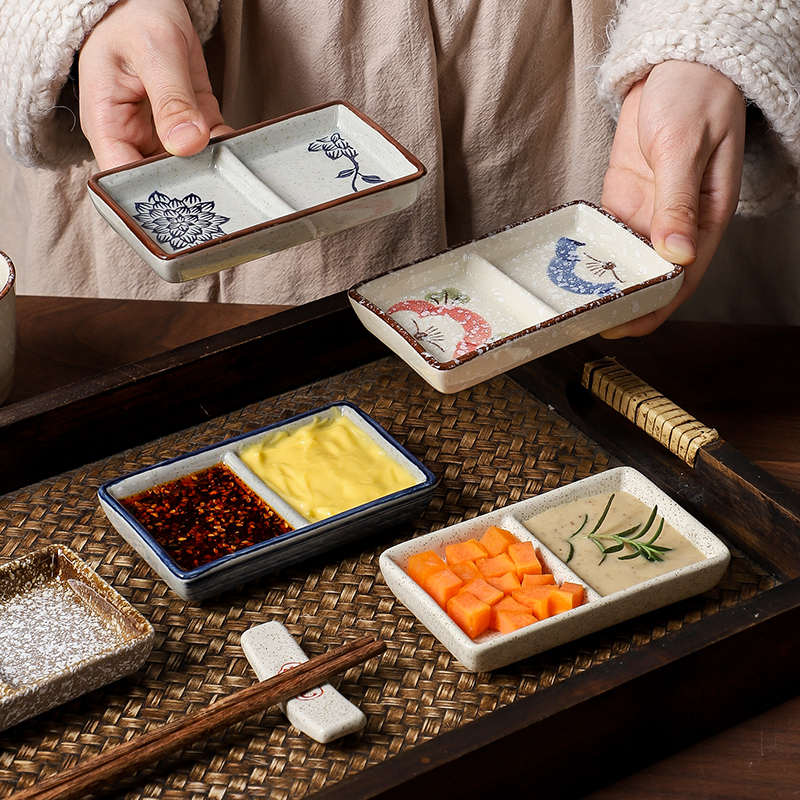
[
  {"x": 307, "y": 538},
  {"x": 474, "y": 311},
  {"x": 8, "y": 325},
  {"x": 63, "y": 632},
  {"x": 322, "y": 713},
  {"x": 258, "y": 191},
  {"x": 492, "y": 650}
]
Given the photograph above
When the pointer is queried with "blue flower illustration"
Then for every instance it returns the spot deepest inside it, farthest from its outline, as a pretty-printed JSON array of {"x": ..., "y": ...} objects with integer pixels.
[
  {"x": 180, "y": 223},
  {"x": 335, "y": 146}
]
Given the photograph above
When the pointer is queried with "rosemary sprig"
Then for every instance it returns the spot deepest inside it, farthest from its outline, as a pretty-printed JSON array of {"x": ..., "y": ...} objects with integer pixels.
[{"x": 631, "y": 537}]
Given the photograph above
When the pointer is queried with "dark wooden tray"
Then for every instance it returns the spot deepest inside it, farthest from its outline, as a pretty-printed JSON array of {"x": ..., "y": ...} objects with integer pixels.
[{"x": 578, "y": 734}]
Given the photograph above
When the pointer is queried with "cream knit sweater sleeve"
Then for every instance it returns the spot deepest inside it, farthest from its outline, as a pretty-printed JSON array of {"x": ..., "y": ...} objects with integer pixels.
[
  {"x": 756, "y": 43},
  {"x": 38, "y": 43}
]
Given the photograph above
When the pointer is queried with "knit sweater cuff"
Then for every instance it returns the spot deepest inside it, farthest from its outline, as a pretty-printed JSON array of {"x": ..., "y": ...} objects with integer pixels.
[
  {"x": 38, "y": 115},
  {"x": 755, "y": 44}
]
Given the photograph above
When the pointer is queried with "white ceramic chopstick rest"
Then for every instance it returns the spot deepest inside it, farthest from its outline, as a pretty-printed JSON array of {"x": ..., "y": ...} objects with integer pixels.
[{"x": 323, "y": 713}]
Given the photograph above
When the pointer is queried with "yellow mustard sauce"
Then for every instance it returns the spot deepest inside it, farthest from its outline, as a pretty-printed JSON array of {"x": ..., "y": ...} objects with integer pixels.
[{"x": 326, "y": 467}]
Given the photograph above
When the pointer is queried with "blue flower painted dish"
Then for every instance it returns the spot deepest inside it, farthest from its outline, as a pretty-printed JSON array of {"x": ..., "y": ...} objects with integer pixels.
[
  {"x": 258, "y": 191},
  {"x": 261, "y": 508},
  {"x": 474, "y": 311}
]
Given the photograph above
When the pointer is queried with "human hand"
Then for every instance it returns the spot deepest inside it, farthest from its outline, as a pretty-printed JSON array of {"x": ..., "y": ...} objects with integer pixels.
[
  {"x": 144, "y": 85},
  {"x": 675, "y": 170}
]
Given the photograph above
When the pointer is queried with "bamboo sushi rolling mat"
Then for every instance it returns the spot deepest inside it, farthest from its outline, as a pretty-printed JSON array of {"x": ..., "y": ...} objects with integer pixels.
[{"x": 489, "y": 446}]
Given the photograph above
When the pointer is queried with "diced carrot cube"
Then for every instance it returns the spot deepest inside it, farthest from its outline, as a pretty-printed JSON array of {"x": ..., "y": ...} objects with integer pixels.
[
  {"x": 505, "y": 583},
  {"x": 523, "y": 554},
  {"x": 496, "y": 540},
  {"x": 542, "y": 579},
  {"x": 483, "y": 591},
  {"x": 506, "y": 604},
  {"x": 471, "y": 550},
  {"x": 421, "y": 565},
  {"x": 507, "y": 621},
  {"x": 536, "y": 598},
  {"x": 466, "y": 570},
  {"x": 469, "y": 613},
  {"x": 442, "y": 585},
  {"x": 510, "y": 604},
  {"x": 494, "y": 567},
  {"x": 579, "y": 595},
  {"x": 559, "y": 601}
]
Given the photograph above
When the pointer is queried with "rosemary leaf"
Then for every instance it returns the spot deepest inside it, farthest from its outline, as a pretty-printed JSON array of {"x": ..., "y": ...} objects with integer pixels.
[{"x": 585, "y": 520}]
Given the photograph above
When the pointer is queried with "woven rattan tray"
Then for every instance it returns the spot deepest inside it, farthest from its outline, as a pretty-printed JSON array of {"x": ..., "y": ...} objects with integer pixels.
[{"x": 490, "y": 446}]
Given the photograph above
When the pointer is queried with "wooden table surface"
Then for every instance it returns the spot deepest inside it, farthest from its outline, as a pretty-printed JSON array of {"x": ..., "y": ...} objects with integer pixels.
[{"x": 742, "y": 380}]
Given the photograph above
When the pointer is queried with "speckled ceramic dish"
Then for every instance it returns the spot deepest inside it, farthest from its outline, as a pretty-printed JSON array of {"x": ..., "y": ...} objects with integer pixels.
[
  {"x": 477, "y": 310},
  {"x": 321, "y": 713},
  {"x": 209, "y": 559},
  {"x": 492, "y": 650},
  {"x": 63, "y": 632},
  {"x": 8, "y": 325},
  {"x": 258, "y": 191}
]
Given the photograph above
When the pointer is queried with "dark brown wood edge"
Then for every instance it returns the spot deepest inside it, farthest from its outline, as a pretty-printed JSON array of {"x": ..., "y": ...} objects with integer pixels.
[
  {"x": 765, "y": 527},
  {"x": 583, "y": 733},
  {"x": 96, "y": 418}
]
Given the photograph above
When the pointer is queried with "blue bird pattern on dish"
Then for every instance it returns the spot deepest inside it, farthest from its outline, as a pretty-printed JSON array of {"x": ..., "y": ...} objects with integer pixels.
[
  {"x": 336, "y": 146},
  {"x": 180, "y": 222},
  {"x": 561, "y": 269}
]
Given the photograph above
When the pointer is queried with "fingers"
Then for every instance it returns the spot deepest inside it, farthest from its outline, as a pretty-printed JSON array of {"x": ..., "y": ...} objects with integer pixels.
[
  {"x": 144, "y": 86},
  {"x": 684, "y": 166}
]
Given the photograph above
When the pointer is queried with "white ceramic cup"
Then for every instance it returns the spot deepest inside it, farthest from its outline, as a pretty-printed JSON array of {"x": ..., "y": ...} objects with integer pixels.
[{"x": 8, "y": 325}]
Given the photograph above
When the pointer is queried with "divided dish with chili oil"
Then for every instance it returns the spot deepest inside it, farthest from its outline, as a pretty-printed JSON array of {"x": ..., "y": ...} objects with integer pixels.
[{"x": 218, "y": 517}]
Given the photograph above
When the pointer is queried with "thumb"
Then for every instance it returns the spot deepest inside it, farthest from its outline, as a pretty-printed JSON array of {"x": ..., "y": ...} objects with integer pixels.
[
  {"x": 179, "y": 122},
  {"x": 676, "y": 211}
]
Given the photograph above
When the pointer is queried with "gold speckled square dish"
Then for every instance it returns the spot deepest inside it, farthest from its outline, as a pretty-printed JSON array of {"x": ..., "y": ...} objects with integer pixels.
[
  {"x": 258, "y": 190},
  {"x": 63, "y": 632},
  {"x": 474, "y": 311}
]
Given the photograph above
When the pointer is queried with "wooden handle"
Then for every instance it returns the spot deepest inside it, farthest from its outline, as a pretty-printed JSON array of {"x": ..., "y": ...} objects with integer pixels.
[
  {"x": 145, "y": 750},
  {"x": 648, "y": 409}
]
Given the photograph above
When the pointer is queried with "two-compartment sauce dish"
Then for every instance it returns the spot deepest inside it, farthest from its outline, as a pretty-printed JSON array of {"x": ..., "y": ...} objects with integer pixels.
[
  {"x": 631, "y": 547},
  {"x": 480, "y": 309},
  {"x": 257, "y": 191},
  {"x": 216, "y": 518}
]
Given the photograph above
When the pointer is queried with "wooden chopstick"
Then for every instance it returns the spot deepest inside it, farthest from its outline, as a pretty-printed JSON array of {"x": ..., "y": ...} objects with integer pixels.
[{"x": 148, "y": 748}]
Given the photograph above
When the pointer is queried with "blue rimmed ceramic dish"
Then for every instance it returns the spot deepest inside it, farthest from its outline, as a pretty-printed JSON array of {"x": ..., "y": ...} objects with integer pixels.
[
  {"x": 307, "y": 536},
  {"x": 257, "y": 191}
]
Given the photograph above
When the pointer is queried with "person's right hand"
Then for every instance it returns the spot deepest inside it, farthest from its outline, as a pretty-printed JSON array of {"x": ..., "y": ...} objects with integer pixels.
[{"x": 144, "y": 86}]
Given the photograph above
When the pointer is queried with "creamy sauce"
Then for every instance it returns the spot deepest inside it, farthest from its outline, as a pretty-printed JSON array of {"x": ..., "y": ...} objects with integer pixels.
[
  {"x": 555, "y": 528},
  {"x": 326, "y": 467}
]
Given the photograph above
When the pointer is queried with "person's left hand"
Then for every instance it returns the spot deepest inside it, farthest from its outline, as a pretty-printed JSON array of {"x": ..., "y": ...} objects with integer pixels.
[{"x": 675, "y": 170}]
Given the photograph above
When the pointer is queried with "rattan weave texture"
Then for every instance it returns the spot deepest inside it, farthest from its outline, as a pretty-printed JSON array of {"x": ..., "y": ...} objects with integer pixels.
[{"x": 490, "y": 446}]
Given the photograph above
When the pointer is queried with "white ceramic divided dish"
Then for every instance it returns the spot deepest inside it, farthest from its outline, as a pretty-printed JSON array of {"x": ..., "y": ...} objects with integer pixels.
[
  {"x": 305, "y": 540},
  {"x": 475, "y": 311},
  {"x": 493, "y": 650},
  {"x": 258, "y": 191},
  {"x": 63, "y": 632}
]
